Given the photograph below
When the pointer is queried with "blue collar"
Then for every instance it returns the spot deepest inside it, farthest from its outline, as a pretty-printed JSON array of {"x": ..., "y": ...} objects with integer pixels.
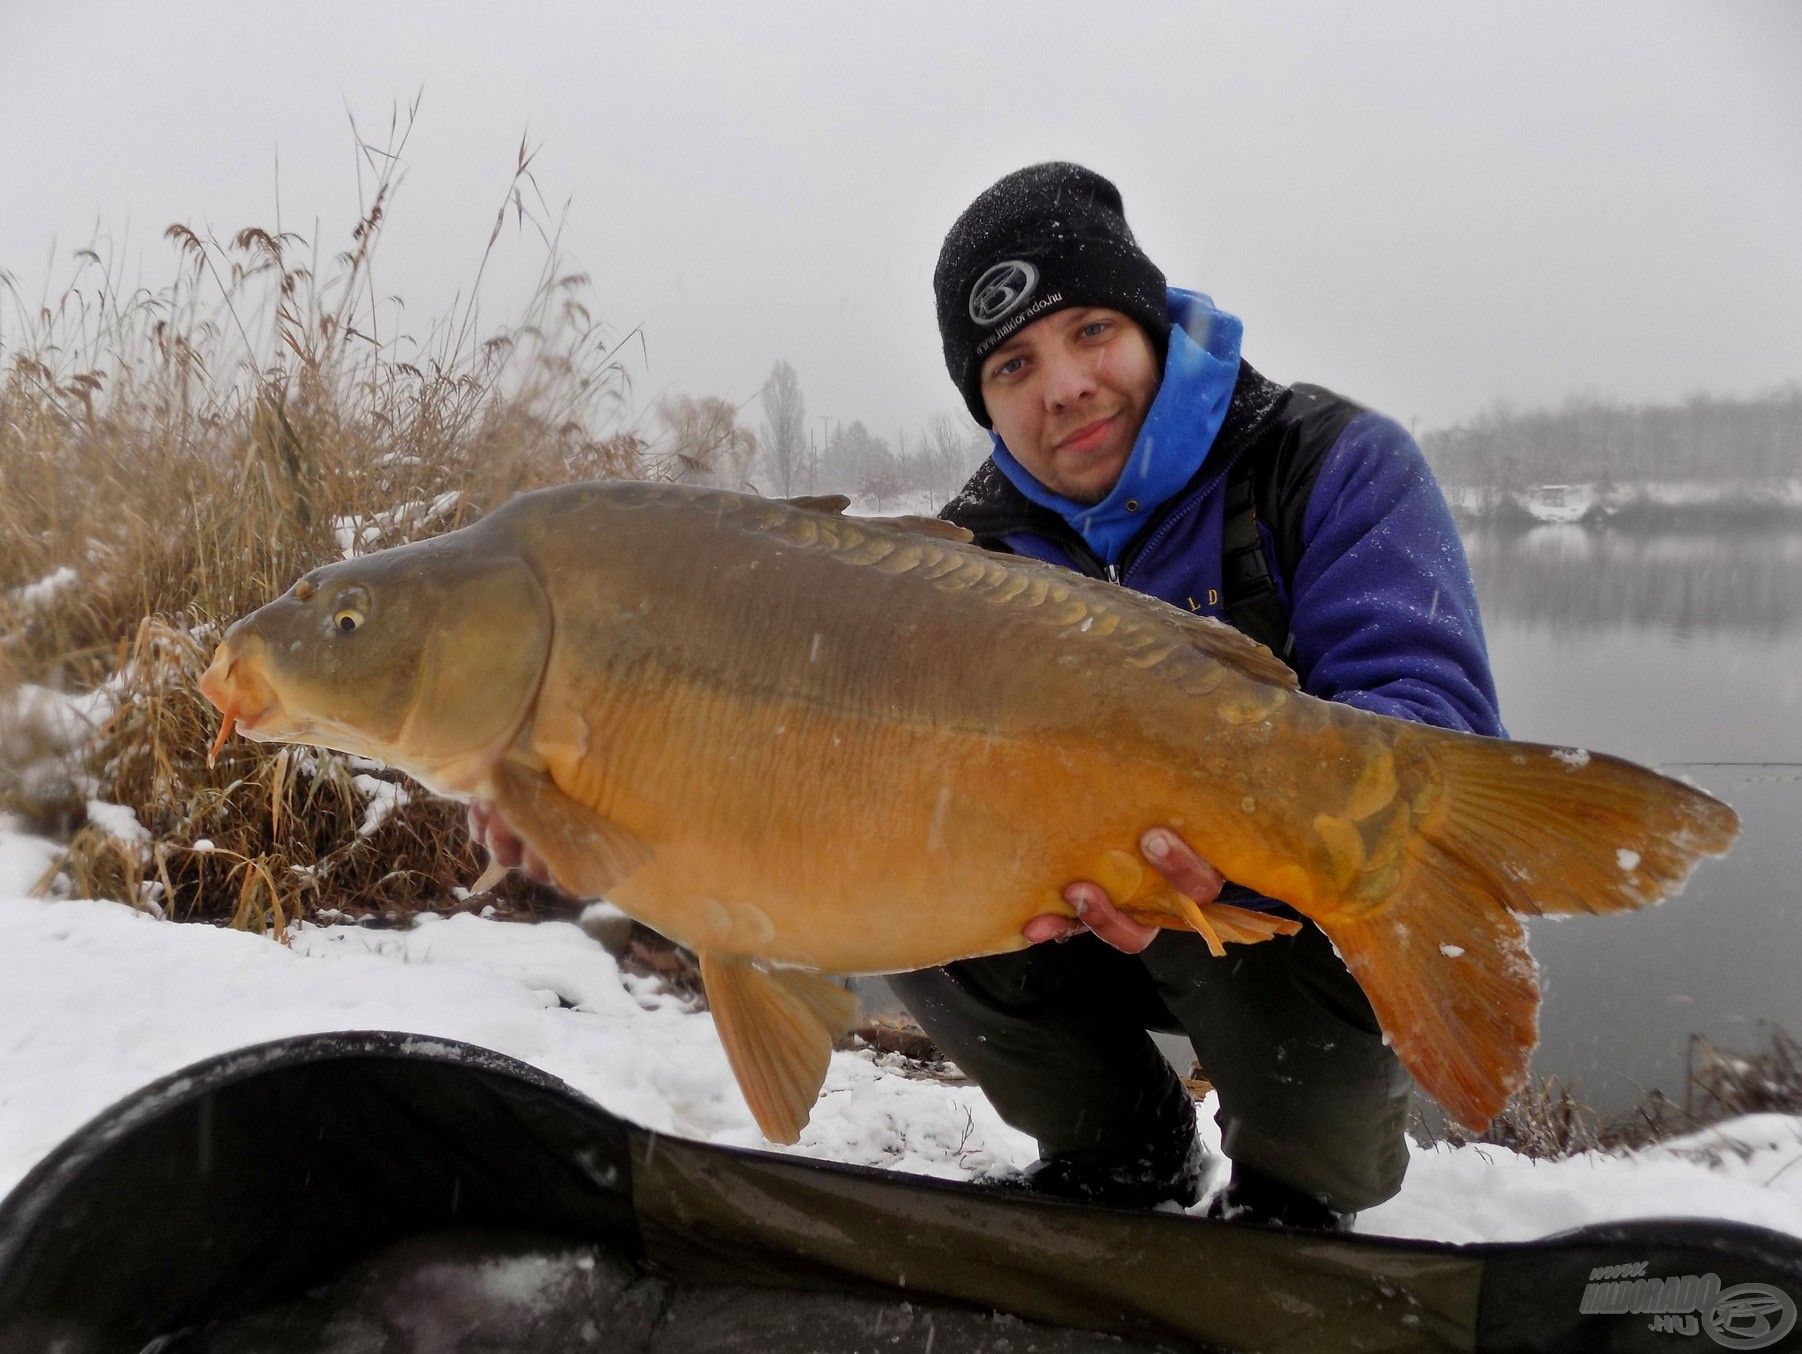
[{"x": 1200, "y": 370}]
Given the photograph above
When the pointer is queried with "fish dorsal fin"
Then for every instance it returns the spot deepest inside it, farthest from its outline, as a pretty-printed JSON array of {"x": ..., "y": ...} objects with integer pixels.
[
  {"x": 835, "y": 505},
  {"x": 1154, "y": 628},
  {"x": 930, "y": 526},
  {"x": 826, "y": 503},
  {"x": 587, "y": 854},
  {"x": 1220, "y": 641},
  {"x": 1149, "y": 630},
  {"x": 778, "y": 1026}
]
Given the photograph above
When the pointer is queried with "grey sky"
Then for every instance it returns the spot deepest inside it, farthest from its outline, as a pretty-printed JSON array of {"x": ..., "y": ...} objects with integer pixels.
[{"x": 1427, "y": 206}]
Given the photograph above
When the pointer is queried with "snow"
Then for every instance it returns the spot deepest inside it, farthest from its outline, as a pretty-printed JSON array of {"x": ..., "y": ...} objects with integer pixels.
[
  {"x": 62, "y": 721},
  {"x": 97, "y": 1000},
  {"x": 33, "y": 596},
  {"x": 358, "y": 535},
  {"x": 384, "y": 796},
  {"x": 116, "y": 820}
]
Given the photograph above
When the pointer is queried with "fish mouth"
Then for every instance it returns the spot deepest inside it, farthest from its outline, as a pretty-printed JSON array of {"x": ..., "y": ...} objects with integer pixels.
[{"x": 242, "y": 695}]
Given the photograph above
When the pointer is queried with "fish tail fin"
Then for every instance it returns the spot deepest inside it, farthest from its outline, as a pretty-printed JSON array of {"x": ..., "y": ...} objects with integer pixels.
[
  {"x": 1454, "y": 988},
  {"x": 1514, "y": 828},
  {"x": 778, "y": 1027},
  {"x": 1565, "y": 830}
]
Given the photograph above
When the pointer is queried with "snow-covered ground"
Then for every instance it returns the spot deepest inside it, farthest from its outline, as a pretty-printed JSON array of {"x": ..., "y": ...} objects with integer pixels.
[{"x": 96, "y": 1000}]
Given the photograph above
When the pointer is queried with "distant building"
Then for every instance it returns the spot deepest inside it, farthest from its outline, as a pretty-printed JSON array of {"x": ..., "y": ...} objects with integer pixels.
[{"x": 1560, "y": 502}]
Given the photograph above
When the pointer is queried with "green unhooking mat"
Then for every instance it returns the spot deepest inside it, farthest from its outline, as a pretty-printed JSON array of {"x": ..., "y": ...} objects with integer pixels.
[{"x": 385, "y": 1192}]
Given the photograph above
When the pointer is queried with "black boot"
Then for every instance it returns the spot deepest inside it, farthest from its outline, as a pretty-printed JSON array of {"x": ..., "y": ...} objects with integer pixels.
[
  {"x": 1255, "y": 1197},
  {"x": 1173, "y": 1176}
]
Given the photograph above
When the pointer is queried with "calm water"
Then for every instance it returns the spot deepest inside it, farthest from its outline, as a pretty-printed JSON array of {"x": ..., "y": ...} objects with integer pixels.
[{"x": 1682, "y": 652}]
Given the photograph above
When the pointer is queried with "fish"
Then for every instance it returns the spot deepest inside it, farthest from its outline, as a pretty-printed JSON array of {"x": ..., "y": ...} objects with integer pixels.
[{"x": 805, "y": 745}]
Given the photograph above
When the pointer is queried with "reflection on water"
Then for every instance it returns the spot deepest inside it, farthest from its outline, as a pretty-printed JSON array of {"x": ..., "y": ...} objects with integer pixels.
[
  {"x": 1682, "y": 651},
  {"x": 1566, "y": 578}
]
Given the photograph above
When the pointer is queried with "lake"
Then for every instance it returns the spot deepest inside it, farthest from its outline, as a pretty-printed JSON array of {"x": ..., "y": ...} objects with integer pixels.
[{"x": 1682, "y": 651}]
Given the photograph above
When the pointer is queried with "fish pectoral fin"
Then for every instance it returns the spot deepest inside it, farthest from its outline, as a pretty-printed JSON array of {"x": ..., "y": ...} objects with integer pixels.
[
  {"x": 490, "y": 878},
  {"x": 587, "y": 854},
  {"x": 778, "y": 1026}
]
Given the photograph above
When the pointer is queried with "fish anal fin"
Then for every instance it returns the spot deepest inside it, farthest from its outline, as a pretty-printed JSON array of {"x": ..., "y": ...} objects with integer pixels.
[
  {"x": 1247, "y": 926},
  {"x": 587, "y": 853},
  {"x": 778, "y": 1027},
  {"x": 1220, "y": 924}
]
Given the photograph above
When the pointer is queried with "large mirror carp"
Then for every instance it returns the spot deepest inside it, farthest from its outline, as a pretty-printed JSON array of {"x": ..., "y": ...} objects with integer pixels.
[{"x": 805, "y": 744}]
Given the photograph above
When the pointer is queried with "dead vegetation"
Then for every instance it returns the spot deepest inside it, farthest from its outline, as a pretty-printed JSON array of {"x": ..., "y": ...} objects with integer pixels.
[
  {"x": 171, "y": 459},
  {"x": 1546, "y": 1120}
]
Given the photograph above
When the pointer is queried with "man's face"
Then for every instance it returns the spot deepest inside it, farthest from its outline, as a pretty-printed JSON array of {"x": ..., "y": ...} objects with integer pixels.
[{"x": 1068, "y": 394}]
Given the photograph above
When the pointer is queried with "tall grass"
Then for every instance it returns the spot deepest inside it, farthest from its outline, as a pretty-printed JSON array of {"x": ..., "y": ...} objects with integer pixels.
[{"x": 171, "y": 459}]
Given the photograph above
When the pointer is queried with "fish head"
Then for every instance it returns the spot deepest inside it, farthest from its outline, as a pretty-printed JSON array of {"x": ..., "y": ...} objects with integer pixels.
[{"x": 427, "y": 657}]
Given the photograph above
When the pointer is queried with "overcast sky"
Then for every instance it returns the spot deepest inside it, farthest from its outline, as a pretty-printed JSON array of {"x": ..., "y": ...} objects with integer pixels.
[{"x": 1427, "y": 206}]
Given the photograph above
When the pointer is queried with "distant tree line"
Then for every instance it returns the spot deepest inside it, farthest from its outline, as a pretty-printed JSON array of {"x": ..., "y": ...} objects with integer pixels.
[
  {"x": 703, "y": 441},
  {"x": 1591, "y": 440}
]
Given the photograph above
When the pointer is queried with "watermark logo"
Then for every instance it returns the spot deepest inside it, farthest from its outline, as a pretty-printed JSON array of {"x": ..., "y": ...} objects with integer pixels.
[
  {"x": 1745, "y": 1316},
  {"x": 1001, "y": 290}
]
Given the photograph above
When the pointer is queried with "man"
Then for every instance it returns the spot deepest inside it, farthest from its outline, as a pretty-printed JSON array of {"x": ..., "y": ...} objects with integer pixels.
[{"x": 1131, "y": 442}]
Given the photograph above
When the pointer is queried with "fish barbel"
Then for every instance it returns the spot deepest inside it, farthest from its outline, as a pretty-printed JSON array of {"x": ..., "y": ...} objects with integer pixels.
[{"x": 804, "y": 744}]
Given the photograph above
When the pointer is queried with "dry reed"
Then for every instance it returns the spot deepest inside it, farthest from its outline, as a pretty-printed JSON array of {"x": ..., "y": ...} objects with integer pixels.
[{"x": 171, "y": 459}]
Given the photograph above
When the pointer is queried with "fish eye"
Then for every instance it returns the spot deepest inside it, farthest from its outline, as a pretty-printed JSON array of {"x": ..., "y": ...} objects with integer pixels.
[{"x": 349, "y": 610}]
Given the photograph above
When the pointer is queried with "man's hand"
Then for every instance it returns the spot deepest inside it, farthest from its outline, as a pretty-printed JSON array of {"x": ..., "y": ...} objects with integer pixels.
[
  {"x": 1171, "y": 856},
  {"x": 491, "y": 833}
]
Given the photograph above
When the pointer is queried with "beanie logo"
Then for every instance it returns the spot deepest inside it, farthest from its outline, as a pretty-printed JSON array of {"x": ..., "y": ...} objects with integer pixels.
[{"x": 1002, "y": 290}]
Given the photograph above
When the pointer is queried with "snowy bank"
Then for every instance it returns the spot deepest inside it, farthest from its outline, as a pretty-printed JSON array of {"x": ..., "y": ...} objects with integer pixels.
[{"x": 97, "y": 1000}]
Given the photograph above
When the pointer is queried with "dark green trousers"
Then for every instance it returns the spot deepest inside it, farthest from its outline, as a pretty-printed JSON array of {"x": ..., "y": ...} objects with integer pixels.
[{"x": 1057, "y": 1037}]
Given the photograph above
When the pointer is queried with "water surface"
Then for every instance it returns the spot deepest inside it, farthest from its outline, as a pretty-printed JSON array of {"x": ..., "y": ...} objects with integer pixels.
[{"x": 1681, "y": 651}]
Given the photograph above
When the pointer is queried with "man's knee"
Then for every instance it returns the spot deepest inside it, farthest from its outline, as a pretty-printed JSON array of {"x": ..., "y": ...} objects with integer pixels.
[{"x": 1310, "y": 1095}]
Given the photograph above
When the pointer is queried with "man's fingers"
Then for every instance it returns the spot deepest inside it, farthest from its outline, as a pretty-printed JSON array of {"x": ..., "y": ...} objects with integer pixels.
[
  {"x": 1099, "y": 914},
  {"x": 1050, "y": 926},
  {"x": 1177, "y": 861},
  {"x": 532, "y": 865}
]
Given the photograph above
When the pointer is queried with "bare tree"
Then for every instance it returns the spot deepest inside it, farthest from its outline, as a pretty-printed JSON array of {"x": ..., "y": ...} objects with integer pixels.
[
  {"x": 701, "y": 443},
  {"x": 953, "y": 447},
  {"x": 858, "y": 462},
  {"x": 784, "y": 429}
]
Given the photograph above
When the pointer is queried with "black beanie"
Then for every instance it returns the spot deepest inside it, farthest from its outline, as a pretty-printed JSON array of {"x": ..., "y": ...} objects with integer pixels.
[{"x": 1043, "y": 238}]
